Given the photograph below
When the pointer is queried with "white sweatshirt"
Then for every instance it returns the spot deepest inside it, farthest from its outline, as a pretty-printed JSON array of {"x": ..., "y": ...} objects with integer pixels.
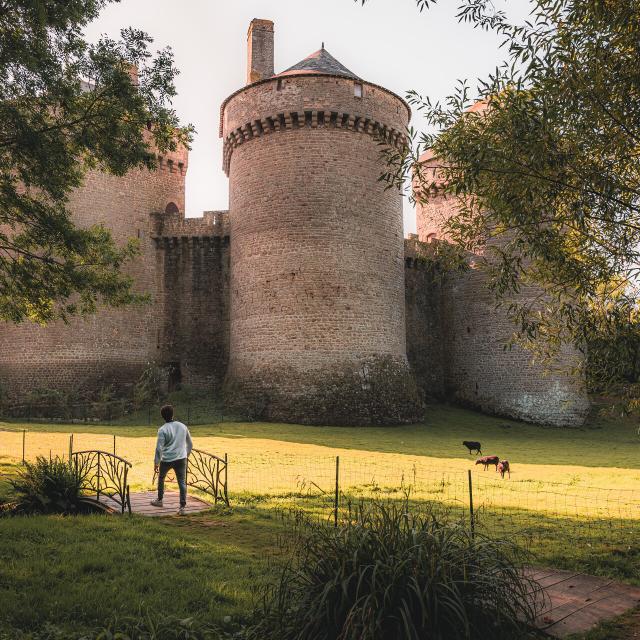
[{"x": 174, "y": 442}]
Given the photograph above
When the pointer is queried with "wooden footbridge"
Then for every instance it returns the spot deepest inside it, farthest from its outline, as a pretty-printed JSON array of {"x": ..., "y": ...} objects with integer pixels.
[{"x": 104, "y": 480}]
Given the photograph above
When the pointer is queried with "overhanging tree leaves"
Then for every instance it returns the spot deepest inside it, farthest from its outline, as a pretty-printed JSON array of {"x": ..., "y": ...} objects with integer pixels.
[
  {"x": 547, "y": 174},
  {"x": 67, "y": 106}
]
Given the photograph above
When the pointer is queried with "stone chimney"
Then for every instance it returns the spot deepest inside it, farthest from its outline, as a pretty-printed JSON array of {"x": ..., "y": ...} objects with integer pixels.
[{"x": 259, "y": 50}]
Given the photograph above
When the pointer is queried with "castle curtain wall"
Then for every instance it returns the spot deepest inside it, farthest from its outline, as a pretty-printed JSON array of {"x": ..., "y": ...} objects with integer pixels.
[
  {"x": 114, "y": 345},
  {"x": 423, "y": 310},
  {"x": 194, "y": 290},
  {"x": 480, "y": 370},
  {"x": 484, "y": 372}
]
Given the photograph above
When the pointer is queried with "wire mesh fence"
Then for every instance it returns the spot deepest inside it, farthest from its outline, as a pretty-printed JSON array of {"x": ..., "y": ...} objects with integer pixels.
[{"x": 538, "y": 514}]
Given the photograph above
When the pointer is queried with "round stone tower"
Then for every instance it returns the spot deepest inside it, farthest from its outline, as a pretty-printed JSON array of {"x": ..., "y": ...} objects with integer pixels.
[{"x": 317, "y": 268}]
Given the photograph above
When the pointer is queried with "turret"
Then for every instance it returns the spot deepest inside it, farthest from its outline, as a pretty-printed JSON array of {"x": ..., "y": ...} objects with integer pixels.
[{"x": 317, "y": 285}]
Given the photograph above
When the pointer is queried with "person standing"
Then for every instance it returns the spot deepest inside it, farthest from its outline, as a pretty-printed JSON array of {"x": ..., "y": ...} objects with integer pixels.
[{"x": 172, "y": 452}]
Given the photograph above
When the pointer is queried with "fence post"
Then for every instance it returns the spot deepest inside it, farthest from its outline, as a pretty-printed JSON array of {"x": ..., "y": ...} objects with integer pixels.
[
  {"x": 24, "y": 443},
  {"x": 70, "y": 447},
  {"x": 337, "y": 494},
  {"x": 98, "y": 485},
  {"x": 226, "y": 467},
  {"x": 114, "y": 444},
  {"x": 471, "y": 506}
]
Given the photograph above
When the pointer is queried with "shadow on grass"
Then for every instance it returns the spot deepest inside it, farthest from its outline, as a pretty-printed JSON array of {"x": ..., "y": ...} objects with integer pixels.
[{"x": 599, "y": 546}]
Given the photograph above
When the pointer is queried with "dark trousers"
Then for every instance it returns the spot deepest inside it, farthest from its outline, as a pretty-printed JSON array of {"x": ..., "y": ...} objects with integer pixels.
[{"x": 180, "y": 467}]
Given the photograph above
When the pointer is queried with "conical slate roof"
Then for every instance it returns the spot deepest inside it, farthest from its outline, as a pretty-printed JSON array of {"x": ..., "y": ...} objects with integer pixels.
[{"x": 320, "y": 62}]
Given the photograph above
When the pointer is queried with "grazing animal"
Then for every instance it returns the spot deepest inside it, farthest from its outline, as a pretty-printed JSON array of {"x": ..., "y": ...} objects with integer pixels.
[
  {"x": 503, "y": 467},
  {"x": 487, "y": 460},
  {"x": 471, "y": 445}
]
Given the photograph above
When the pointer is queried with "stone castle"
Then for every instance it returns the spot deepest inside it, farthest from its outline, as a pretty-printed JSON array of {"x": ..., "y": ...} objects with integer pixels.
[{"x": 303, "y": 302}]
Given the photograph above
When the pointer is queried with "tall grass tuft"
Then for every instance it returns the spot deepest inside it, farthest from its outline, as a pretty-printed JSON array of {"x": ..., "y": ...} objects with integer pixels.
[
  {"x": 48, "y": 485},
  {"x": 392, "y": 575}
]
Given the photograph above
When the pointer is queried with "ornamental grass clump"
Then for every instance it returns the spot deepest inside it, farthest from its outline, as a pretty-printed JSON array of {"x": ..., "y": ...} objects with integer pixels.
[
  {"x": 49, "y": 485},
  {"x": 392, "y": 575}
]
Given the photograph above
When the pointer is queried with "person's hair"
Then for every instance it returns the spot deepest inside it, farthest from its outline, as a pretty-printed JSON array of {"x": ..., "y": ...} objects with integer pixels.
[{"x": 167, "y": 412}]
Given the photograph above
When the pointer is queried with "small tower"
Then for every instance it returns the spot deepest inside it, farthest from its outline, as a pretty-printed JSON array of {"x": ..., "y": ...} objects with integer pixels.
[{"x": 317, "y": 286}]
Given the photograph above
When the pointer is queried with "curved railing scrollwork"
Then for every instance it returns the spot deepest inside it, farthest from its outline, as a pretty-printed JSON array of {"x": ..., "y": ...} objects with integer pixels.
[
  {"x": 208, "y": 473},
  {"x": 104, "y": 474}
]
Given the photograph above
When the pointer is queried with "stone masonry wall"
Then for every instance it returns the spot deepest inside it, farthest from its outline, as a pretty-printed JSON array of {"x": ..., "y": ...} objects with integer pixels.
[
  {"x": 484, "y": 374},
  {"x": 423, "y": 310},
  {"x": 113, "y": 345},
  {"x": 479, "y": 370}
]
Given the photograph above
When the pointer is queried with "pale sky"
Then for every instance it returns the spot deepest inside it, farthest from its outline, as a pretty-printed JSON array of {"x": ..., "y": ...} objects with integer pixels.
[{"x": 387, "y": 42}]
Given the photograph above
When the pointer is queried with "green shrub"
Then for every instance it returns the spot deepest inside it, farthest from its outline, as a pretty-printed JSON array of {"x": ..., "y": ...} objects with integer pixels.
[
  {"x": 49, "y": 485},
  {"x": 47, "y": 403},
  {"x": 392, "y": 575},
  {"x": 151, "y": 386}
]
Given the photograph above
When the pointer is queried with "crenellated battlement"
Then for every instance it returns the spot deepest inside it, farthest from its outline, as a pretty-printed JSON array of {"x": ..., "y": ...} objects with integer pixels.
[
  {"x": 419, "y": 255},
  {"x": 172, "y": 163},
  {"x": 281, "y": 122},
  {"x": 173, "y": 224}
]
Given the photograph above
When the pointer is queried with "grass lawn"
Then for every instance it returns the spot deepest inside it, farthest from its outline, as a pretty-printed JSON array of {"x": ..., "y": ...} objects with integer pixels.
[
  {"x": 78, "y": 572},
  {"x": 573, "y": 498}
]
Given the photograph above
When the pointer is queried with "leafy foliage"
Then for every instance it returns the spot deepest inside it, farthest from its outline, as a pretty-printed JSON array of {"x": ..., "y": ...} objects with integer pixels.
[
  {"x": 47, "y": 486},
  {"x": 389, "y": 574},
  {"x": 545, "y": 167},
  {"x": 67, "y": 106},
  {"x": 151, "y": 386}
]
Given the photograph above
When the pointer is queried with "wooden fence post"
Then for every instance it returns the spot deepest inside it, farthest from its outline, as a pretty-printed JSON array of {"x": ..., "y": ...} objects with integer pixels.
[
  {"x": 226, "y": 491},
  {"x": 471, "y": 516},
  {"x": 337, "y": 493}
]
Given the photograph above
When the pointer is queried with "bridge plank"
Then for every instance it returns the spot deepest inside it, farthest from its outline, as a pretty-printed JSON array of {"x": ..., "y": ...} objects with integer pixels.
[{"x": 140, "y": 504}]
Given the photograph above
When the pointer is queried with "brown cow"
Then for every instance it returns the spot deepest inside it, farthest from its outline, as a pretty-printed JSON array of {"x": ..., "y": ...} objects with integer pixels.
[
  {"x": 503, "y": 467},
  {"x": 487, "y": 460}
]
